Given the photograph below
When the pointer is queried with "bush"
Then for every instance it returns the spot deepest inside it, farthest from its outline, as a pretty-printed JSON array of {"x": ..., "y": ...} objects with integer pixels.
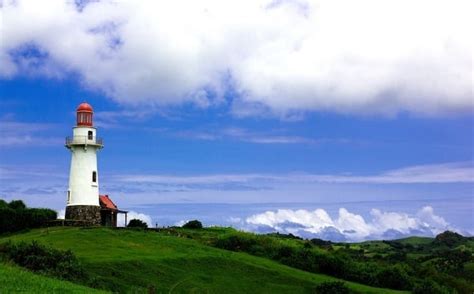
[
  {"x": 332, "y": 287},
  {"x": 332, "y": 264},
  {"x": 236, "y": 242},
  {"x": 45, "y": 260},
  {"x": 194, "y": 224},
  {"x": 136, "y": 223}
]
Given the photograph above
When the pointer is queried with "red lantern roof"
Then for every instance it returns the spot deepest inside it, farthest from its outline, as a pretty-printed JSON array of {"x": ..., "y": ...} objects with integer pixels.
[{"x": 84, "y": 107}]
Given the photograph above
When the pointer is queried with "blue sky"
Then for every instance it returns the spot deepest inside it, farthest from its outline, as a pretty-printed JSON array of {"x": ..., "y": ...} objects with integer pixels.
[{"x": 381, "y": 142}]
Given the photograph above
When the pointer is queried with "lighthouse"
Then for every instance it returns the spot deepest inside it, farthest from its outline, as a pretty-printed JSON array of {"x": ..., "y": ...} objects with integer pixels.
[{"x": 83, "y": 192}]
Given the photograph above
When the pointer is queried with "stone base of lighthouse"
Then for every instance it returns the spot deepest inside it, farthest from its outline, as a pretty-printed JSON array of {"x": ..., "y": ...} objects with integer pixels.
[{"x": 88, "y": 214}]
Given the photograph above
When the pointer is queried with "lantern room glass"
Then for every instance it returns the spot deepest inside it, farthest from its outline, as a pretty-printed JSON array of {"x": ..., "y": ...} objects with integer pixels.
[{"x": 84, "y": 118}]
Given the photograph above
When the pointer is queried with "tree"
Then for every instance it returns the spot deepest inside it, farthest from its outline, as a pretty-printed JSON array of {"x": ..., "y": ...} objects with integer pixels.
[
  {"x": 394, "y": 277},
  {"x": 15, "y": 216},
  {"x": 136, "y": 223},
  {"x": 3, "y": 204},
  {"x": 17, "y": 204},
  {"x": 194, "y": 224},
  {"x": 452, "y": 260},
  {"x": 448, "y": 238}
]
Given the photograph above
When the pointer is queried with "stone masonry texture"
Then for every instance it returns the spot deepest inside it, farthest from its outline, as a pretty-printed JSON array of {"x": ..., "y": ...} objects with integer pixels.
[{"x": 88, "y": 214}]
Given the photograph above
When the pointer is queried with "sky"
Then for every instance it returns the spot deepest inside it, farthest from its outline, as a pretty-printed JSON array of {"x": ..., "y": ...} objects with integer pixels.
[{"x": 344, "y": 120}]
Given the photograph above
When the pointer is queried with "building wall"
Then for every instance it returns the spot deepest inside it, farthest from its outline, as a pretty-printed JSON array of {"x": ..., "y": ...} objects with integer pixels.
[
  {"x": 87, "y": 214},
  {"x": 82, "y": 190},
  {"x": 82, "y": 132},
  {"x": 108, "y": 218}
]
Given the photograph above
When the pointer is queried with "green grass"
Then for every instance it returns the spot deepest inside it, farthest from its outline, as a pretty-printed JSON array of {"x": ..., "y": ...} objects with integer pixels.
[
  {"x": 14, "y": 279},
  {"x": 136, "y": 261},
  {"x": 416, "y": 240}
]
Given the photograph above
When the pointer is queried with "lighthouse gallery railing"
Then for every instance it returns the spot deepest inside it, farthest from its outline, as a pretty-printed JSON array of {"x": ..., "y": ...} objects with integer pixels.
[{"x": 83, "y": 140}]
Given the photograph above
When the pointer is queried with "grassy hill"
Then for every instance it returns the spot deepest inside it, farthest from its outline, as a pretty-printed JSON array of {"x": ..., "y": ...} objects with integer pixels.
[
  {"x": 138, "y": 261},
  {"x": 14, "y": 279}
]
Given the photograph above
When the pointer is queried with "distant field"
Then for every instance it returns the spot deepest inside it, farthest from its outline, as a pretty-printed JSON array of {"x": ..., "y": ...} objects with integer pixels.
[
  {"x": 137, "y": 261},
  {"x": 416, "y": 240}
]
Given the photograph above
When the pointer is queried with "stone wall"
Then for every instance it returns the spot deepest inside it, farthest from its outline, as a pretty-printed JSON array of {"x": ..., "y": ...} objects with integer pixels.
[{"x": 86, "y": 213}]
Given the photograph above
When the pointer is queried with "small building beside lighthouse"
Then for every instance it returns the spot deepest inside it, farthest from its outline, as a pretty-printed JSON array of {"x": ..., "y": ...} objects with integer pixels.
[{"x": 83, "y": 202}]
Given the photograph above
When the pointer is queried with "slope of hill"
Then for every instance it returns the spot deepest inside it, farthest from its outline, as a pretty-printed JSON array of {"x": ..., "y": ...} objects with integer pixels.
[
  {"x": 137, "y": 261},
  {"x": 14, "y": 279}
]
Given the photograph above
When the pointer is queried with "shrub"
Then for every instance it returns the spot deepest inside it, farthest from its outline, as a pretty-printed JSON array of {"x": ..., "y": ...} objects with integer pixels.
[
  {"x": 137, "y": 223},
  {"x": 236, "y": 242},
  {"x": 363, "y": 272},
  {"x": 45, "y": 260},
  {"x": 332, "y": 287},
  {"x": 301, "y": 258},
  {"x": 194, "y": 224}
]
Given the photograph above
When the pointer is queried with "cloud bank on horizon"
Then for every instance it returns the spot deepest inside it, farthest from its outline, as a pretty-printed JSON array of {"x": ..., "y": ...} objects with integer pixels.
[
  {"x": 349, "y": 226},
  {"x": 275, "y": 57}
]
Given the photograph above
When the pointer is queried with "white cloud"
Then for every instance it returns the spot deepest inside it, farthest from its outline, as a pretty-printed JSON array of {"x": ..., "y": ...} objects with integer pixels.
[
  {"x": 234, "y": 220},
  {"x": 245, "y": 135},
  {"x": 61, "y": 214},
  {"x": 20, "y": 134},
  {"x": 134, "y": 215},
  {"x": 348, "y": 226},
  {"x": 180, "y": 223},
  {"x": 454, "y": 172},
  {"x": 364, "y": 56}
]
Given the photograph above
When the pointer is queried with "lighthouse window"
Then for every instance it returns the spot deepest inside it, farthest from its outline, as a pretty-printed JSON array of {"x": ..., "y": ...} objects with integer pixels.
[
  {"x": 94, "y": 176},
  {"x": 90, "y": 135},
  {"x": 68, "y": 196}
]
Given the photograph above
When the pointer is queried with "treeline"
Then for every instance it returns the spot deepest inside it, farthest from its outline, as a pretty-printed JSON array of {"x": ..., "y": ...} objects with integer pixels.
[
  {"x": 442, "y": 274},
  {"x": 336, "y": 264},
  {"x": 15, "y": 216}
]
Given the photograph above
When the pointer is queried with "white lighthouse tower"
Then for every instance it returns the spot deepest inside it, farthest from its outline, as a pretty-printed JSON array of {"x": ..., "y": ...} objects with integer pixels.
[{"x": 83, "y": 192}]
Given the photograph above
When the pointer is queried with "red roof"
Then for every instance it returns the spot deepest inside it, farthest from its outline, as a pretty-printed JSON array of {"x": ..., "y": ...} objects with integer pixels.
[
  {"x": 84, "y": 107},
  {"x": 106, "y": 202}
]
